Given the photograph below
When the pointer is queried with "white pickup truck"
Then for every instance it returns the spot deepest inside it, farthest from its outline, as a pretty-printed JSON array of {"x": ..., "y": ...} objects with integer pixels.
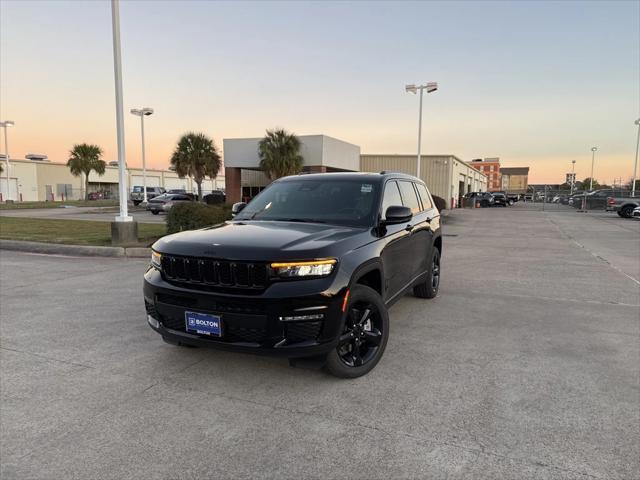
[{"x": 623, "y": 206}]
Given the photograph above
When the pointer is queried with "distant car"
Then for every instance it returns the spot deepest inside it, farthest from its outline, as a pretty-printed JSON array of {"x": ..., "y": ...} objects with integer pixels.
[
  {"x": 164, "y": 202},
  {"x": 500, "y": 199},
  {"x": 95, "y": 196},
  {"x": 137, "y": 193},
  {"x": 215, "y": 197},
  {"x": 485, "y": 199}
]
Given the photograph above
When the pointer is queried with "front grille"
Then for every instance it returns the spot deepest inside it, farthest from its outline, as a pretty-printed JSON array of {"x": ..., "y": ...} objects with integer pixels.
[
  {"x": 301, "y": 331},
  {"x": 217, "y": 273}
]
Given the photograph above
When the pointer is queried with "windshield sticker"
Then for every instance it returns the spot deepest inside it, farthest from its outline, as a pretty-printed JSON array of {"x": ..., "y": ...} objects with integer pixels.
[{"x": 366, "y": 188}]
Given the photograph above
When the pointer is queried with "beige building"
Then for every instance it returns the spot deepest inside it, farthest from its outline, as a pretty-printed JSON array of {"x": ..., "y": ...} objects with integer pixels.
[
  {"x": 515, "y": 179},
  {"x": 445, "y": 175},
  {"x": 36, "y": 180}
]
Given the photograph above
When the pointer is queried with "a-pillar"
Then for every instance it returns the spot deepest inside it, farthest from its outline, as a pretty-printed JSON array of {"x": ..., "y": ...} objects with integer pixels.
[{"x": 233, "y": 185}]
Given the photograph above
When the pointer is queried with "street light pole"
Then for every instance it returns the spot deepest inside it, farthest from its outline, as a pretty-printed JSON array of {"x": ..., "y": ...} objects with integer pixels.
[
  {"x": 593, "y": 158},
  {"x": 635, "y": 164},
  {"x": 5, "y": 124},
  {"x": 143, "y": 112},
  {"x": 573, "y": 175},
  {"x": 117, "y": 69},
  {"x": 430, "y": 87}
]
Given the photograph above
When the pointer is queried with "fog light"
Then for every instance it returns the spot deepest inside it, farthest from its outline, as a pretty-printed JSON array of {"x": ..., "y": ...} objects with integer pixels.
[
  {"x": 153, "y": 322},
  {"x": 302, "y": 318}
]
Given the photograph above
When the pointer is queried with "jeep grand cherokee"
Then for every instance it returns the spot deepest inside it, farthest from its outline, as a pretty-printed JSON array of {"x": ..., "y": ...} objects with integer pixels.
[{"x": 307, "y": 269}]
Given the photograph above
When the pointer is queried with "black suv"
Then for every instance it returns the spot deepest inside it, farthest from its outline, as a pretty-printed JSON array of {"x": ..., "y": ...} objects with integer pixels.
[{"x": 307, "y": 269}]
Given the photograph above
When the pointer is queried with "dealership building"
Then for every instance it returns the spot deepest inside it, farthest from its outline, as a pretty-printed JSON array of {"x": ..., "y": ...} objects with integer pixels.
[
  {"x": 37, "y": 179},
  {"x": 446, "y": 175}
]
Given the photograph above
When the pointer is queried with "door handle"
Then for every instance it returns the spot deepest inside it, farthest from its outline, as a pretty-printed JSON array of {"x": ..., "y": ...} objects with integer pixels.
[{"x": 408, "y": 228}]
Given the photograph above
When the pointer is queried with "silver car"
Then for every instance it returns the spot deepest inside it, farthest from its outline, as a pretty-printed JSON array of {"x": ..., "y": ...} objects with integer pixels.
[{"x": 163, "y": 203}]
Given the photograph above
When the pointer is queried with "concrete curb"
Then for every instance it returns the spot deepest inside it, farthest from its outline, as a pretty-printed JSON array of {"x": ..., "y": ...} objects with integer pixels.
[{"x": 74, "y": 250}]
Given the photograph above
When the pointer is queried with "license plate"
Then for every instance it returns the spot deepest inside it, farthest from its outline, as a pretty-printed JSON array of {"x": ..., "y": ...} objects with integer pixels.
[{"x": 203, "y": 323}]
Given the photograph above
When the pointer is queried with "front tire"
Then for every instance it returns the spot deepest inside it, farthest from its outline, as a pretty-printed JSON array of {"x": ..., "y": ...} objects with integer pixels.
[
  {"x": 364, "y": 336},
  {"x": 155, "y": 212},
  {"x": 429, "y": 288}
]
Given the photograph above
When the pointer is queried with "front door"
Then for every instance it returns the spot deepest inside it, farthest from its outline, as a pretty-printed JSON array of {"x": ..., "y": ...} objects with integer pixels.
[{"x": 396, "y": 258}]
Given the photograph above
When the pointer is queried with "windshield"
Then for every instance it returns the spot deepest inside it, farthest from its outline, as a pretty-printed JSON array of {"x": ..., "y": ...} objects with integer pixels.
[{"x": 351, "y": 202}]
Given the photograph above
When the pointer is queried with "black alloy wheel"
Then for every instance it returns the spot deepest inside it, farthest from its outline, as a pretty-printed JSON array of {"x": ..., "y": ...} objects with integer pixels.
[
  {"x": 364, "y": 336},
  {"x": 429, "y": 287},
  {"x": 626, "y": 212},
  {"x": 361, "y": 337}
]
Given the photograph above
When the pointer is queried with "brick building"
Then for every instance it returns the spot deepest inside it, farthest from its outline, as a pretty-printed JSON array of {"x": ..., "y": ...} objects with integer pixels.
[{"x": 491, "y": 168}]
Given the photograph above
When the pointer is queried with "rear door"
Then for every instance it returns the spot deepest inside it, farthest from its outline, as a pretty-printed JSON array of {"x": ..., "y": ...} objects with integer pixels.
[
  {"x": 420, "y": 235},
  {"x": 395, "y": 254}
]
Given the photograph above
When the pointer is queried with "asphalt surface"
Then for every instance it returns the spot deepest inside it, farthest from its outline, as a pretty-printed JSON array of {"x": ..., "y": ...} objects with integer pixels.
[
  {"x": 100, "y": 214},
  {"x": 527, "y": 365}
]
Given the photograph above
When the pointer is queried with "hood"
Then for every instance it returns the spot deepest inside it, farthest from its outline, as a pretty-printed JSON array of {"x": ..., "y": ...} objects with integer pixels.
[{"x": 265, "y": 241}]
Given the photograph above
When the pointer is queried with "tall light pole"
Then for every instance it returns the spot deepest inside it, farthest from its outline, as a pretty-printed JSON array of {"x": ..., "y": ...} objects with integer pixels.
[
  {"x": 117, "y": 70},
  {"x": 143, "y": 112},
  {"x": 429, "y": 87},
  {"x": 593, "y": 159},
  {"x": 635, "y": 164},
  {"x": 123, "y": 230},
  {"x": 5, "y": 125},
  {"x": 573, "y": 175}
]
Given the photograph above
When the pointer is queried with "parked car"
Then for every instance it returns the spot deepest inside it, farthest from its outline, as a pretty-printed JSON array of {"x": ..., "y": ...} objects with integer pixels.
[
  {"x": 307, "y": 269},
  {"x": 95, "y": 196},
  {"x": 137, "y": 193},
  {"x": 623, "y": 206},
  {"x": 163, "y": 203},
  {"x": 597, "y": 200},
  {"x": 485, "y": 199},
  {"x": 500, "y": 199},
  {"x": 215, "y": 197}
]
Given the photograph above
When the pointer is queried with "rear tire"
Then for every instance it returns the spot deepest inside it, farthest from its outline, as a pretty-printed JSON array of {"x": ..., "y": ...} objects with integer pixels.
[
  {"x": 155, "y": 212},
  {"x": 429, "y": 288},
  {"x": 364, "y": 336},
  {"x": 626, "y": 212}
]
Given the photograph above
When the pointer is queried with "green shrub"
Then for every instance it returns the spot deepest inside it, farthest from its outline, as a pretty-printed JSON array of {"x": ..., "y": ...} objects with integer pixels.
[
  {"x": 440, "y": 203},
  {"x": 193, "y": 215}
]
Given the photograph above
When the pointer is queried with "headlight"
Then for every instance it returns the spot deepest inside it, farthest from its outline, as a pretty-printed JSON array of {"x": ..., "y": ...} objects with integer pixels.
[
  {"x": 311, "y": 268},
  {"x": 156, "y": 259}
]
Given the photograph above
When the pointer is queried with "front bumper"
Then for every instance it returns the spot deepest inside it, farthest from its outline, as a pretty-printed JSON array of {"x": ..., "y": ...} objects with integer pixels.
[{"x": 250, "y": 322}]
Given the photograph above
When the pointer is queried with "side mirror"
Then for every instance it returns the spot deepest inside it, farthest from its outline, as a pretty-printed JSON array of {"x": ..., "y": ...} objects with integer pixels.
[
  {"x": 397, "y": 214},
  {"x": 237, "y": 208}
]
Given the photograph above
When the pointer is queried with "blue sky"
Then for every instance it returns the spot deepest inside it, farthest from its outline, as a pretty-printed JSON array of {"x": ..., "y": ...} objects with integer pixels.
[{"x": 535, "y": 83}]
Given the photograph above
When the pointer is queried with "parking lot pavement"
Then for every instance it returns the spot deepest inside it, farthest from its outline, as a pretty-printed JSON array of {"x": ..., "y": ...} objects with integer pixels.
[
  {"x": 101, "y": 214},
  {"x": 525, "y": 366}
]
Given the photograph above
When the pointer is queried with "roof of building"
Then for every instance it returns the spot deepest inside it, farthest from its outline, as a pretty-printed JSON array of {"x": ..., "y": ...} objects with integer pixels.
[{"x": 514, "y": 170}]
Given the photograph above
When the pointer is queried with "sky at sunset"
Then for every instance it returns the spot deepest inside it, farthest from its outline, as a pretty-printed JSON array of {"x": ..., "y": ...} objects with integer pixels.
[{"x": 534, "y": 83}]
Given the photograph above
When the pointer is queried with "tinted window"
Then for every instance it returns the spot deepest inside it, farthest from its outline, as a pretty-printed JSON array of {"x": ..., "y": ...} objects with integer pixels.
[
  {"x": 391, "y": 196},
  {"x": 409, "y": 198},
  {"x": 337, "y": 201},
  {"x": 424, "y": 196}
]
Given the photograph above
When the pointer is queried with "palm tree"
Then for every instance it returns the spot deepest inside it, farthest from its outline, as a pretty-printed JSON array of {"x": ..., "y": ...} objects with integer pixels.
[
  {"x": 196, "y": 156},
  {"x": 83, "y": 159},
  {"x": 279, "y": 154}
]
